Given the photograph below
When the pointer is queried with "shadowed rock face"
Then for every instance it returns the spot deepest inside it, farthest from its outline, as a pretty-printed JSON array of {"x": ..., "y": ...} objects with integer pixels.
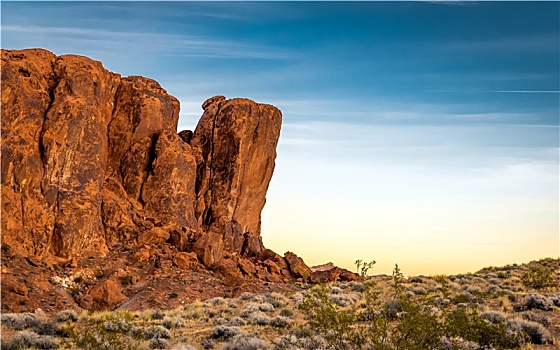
[
  {"x": 91, "y": 160},
  {"x": 235, "y": 141}
]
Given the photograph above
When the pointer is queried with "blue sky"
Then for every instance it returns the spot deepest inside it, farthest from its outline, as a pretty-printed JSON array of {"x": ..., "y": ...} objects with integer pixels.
[{"x": 414, "y": 132}]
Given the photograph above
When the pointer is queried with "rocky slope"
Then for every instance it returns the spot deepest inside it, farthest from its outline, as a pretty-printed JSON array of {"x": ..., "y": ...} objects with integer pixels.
[{"x": 94, "y": 175}]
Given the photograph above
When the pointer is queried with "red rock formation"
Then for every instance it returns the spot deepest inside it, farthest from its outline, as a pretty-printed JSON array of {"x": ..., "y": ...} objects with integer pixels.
[
  {"x": 93, "y": 168},
  {"x": 91, "y": 160},
  {"x": 297, "y": 267},
  {"x": 235, "y": 142}
]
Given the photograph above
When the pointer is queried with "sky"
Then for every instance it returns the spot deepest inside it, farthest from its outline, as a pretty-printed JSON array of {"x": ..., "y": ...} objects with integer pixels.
[{"x": 419, "y": 133}]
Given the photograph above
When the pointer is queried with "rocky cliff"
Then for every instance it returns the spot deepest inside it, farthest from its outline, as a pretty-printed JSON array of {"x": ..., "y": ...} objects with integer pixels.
[{"x": 92, "y": 165}]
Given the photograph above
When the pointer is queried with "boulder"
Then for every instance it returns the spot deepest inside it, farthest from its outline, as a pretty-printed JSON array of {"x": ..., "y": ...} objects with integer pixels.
[
  {"x": 89, "y": 159},
  {"x": 154, "y": 236},
  {"x": 297, "y": 267},
  {"x": 105, "y": 295},
  {"x": 188, "y": 261},
  {"x": 209, "y": 248},
  {"x": 333, "y": 274},
  {"x": 246, "y": 266},
  {"x": 227, "y": 267},
  {"x": 323, "y": 267}
]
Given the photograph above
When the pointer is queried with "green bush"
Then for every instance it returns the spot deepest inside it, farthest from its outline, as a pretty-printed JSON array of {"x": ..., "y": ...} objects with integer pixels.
[{"x": 539, "y": 277}]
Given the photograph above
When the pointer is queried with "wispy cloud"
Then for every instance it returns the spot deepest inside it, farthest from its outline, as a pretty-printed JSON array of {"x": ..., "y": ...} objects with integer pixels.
[{"x": 150, "y": 43}]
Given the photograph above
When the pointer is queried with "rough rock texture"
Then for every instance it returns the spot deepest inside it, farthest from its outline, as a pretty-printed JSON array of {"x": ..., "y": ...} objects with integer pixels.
[
  {"x": 332, "y": 275},
  {"x": 297, "y": 266},
  {"x": 91, "y": 160},
  {"x": 94, "y": 173},
  {"x": 235, "y": 142},
  {"x": 323, "y": 267},
  {"x": 107, "y": 294}
]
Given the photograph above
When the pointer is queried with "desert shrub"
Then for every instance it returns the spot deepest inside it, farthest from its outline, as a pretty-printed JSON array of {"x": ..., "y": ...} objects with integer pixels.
[
  {"x": 158, "y": 343},
  {"x": 539, "y": 277},
  {"x": 467, "y": 324},
  {"x": 156, "y": 331},
  {"x": 493, "y": 289},
  {"x": 46, "y": 327},
  {"x": 502, "y": 274},
  {"x": 25, "y": 340},
  {"x": 537, "y": 301},
  {"x": 478, "y": 280},
  {"x": 157, "y": 315},
  {"x": 220, "y": 321},
  {"x": 173, "y": 322},
  {"x": 119, "y": 325},
  {"x": 534, "y": 331},
  {"x": 183, "y": 347},
  {"x": 341, "y": 299},
  {"x": 392, "y": 307},
  {"x": 259, "y": 318},
  {"x": 254, "y": 307},
  {"x": 419, "y": 279},
  {"x": 286, "y": 313},
  {"x": 66, "y": 315},
  {"x": 531, "y": 316},
  {"x": 464, "y": 297},
  {"x": 294, "y": 342},
  {"x": 207, "y": 343},
  {"x": 336, "y": 290},
  {"x": 276, "y": 299},
  {"x": 96, "y": 337},
  {"x": 217, "y": 301},
  {"x": 224, "y": 332},
  {"x": 474, "y": 290},
  {"x": 266, "y": 307},
  {"x": 298, "y": 299},
  {"x": 279, "y": 322},
  {"x": 18, "y": 322},
  {"x": 327, "y": 319},
  {"x": 237, "y": 321},
  {"x": 357, "y": 287},
  {"x": 246, "y": 342},
  {"x": 419, "y": 290},
  {"x": 246, "y": 296},
  {"x": 125, "y": 280},
  {"x": 493, "y": 316}
]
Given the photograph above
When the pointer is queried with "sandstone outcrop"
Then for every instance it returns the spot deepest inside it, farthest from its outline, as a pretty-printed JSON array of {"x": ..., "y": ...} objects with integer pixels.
[
  {"x": 92, "y": 165},
  {"x": 91, "y": 159}
]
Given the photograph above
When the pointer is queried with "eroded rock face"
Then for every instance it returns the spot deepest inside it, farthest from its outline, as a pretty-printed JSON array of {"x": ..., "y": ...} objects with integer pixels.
[
  {"x": 89, "y": 159},
  {"x": 93, "y": 170},
  {"x": 235, "y": 142}
]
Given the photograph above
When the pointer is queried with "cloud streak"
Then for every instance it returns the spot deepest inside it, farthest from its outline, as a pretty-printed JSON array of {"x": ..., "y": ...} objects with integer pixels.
[{"x": 149, "y": 43}]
